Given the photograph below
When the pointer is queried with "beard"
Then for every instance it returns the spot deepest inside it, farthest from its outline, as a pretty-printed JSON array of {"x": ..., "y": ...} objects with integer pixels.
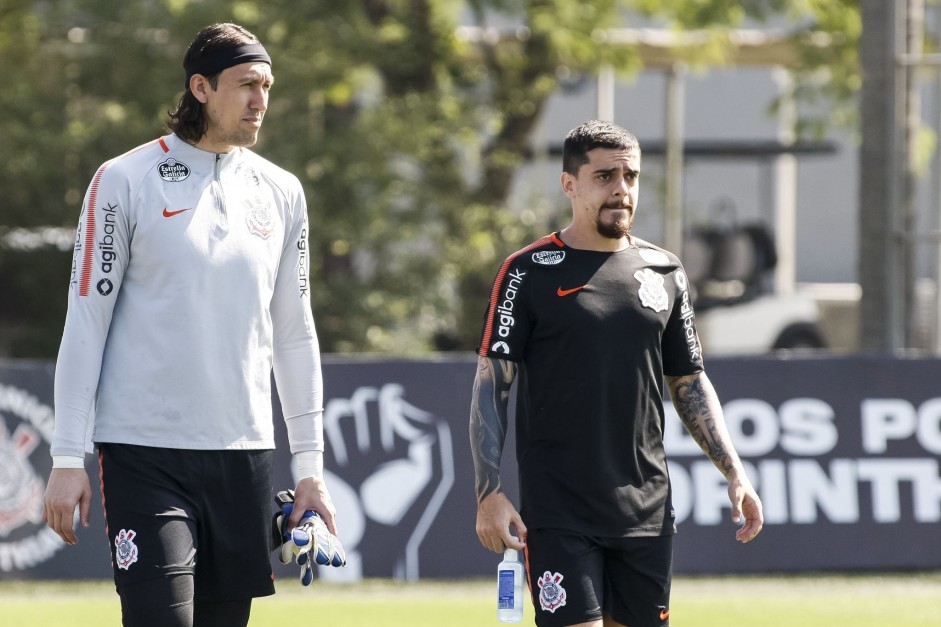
[
  {"x": 242, "y": 138},
  {"x": 617, "y": 227}
]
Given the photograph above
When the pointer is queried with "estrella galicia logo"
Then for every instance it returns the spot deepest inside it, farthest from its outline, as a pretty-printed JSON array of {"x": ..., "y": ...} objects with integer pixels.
[
  {"x": 548, "y": 257},
  {"x": 173, "y": 171},
  {"x": 394, "y": 468},
  {"x": 25, "y": 541}
]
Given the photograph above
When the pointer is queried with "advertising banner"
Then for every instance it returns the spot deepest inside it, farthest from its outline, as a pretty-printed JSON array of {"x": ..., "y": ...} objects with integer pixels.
[{"x": 844, "y": 452}]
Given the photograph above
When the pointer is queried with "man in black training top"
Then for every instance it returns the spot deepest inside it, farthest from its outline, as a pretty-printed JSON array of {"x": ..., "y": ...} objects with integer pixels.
[{"x": 594, "y": 319}]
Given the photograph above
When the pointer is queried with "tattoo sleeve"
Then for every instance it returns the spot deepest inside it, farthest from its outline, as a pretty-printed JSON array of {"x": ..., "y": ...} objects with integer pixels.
[
  {"x": 699, "y": 409},
  {"x": 488, "y": 421}
]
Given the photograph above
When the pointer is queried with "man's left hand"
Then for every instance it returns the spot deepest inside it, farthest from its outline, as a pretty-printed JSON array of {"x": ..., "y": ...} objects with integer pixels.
[
  {"x": 311, "y": 494},
  {"x": 745, "y": 502}
]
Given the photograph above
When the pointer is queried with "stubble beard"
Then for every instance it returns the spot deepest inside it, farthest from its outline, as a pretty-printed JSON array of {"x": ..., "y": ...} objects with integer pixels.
[
  {"x": 243, "y": 139},
  {"x": 618, "y": 227}
]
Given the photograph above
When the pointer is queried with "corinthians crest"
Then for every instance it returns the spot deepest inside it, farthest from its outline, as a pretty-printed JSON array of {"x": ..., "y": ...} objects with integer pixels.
[
  {"x": 25, "y": 424},
  {"x": 125, "y": 551},
  {"x": 260, "y": 222},
  {"x": 20, "y": 487},
  {"x": 652, "y": 293},
  {"x": 551, "y": 593},
  {"x": 258, "y": 215}
]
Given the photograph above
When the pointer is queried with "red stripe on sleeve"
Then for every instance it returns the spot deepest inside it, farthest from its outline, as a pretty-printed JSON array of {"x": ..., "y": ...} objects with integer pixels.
[
  {"x": 88, "y": 254},
  {"x": 101, "y": 488}
]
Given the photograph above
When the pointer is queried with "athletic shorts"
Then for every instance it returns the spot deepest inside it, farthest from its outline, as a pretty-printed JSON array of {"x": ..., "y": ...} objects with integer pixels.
[
  {"x": 189, "y": 512},
  {"x": 576, "y": 579}
]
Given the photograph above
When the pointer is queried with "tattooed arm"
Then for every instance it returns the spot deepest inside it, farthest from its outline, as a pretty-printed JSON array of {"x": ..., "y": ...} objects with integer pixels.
[
  {"x": 488, "y": 425},
  {"x": 699, "y": 409}
]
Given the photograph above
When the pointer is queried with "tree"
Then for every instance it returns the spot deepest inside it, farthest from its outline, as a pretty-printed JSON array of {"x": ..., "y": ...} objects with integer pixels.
[{"x": 405, "y": 134}]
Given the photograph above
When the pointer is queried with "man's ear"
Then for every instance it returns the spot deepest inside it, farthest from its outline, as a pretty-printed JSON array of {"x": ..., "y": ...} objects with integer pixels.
[
  {"x": 199, "y": 85},
  {"x": 568, "y": 184}
]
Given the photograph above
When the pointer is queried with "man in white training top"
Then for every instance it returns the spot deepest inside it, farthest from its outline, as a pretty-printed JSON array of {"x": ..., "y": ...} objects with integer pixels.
[{"x": 189, "y": 286}]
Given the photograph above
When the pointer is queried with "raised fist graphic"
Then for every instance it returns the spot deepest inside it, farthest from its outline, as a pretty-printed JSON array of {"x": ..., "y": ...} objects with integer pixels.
[{"x": 390, "y": 467}]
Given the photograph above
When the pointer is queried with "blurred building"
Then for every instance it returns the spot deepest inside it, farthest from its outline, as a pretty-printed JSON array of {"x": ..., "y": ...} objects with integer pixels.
[{"x": 741, "y": 168}]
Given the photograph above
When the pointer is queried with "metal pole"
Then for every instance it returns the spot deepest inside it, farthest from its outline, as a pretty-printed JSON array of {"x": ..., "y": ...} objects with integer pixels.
[
  {"x": 785, "y": 189},
  {"x": 909, "y": 26},
  {"x": 606, "y": 93},
  {"x": 935, "y": 331},
  {"x": 879, "y": 263},
  {"x": 675, "y": 131}
]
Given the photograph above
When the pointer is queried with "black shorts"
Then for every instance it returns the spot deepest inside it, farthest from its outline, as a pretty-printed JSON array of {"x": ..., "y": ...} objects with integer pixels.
[
  {"x": 576, "y": 579},
  {"x": 189, "y": 512}
]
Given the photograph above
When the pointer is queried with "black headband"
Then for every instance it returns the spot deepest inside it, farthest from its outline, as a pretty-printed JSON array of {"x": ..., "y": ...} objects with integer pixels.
[{"x": 225, "y": 58}]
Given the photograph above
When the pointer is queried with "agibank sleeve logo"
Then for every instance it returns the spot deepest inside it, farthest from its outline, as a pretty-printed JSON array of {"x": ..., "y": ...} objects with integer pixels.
[
  {"x": 502, "y": 313},
  {"x": 302, "y": 263},
  {"x": 687, "y": 316},
  {"x": 95, "y": 236}
]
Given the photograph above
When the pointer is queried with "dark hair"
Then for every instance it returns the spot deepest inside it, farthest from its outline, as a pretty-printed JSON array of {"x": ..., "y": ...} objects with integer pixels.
[
  {"x": 189, "y": 121},
  {"x": 590, "y": 135}
]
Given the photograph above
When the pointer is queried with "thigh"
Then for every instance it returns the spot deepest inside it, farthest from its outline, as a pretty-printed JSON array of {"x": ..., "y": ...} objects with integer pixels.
[
  {"x": 210, "y": 613},
  {"x": 566, "y": 577},
  {"x": 638, "y": 576},
  {"x": 149, "y": 520},
  {"x": 234, "y": 538},
  {"x": 159, "y": 602}
]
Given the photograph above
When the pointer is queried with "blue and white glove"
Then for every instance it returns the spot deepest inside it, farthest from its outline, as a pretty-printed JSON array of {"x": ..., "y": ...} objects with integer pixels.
[{"x": 309, "y": 542}]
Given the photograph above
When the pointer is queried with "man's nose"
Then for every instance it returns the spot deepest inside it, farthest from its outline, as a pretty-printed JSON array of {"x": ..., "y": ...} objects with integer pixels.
[
  {"x": 621, "y": 188},
  {"x": 259, "y": 101}
]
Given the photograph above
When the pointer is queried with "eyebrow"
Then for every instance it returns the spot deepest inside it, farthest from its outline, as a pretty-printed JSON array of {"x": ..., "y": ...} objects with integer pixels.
[
  {"x": 613, "y": 170},
  {"x": 252, "y": 76}
]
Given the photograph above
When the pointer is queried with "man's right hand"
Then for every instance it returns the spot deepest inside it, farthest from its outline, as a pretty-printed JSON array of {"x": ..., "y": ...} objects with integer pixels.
[
  {"x": 67, "y": 488},
  {"x": 495, "y": 516}
]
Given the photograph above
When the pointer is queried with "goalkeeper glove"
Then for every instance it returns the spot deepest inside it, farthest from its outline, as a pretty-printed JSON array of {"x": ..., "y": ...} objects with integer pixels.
[{"x": 308, "y": 543}]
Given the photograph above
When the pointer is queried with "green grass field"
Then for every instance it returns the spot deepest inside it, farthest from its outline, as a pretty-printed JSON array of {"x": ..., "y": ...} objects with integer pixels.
[{"x": 760, "y": 601}]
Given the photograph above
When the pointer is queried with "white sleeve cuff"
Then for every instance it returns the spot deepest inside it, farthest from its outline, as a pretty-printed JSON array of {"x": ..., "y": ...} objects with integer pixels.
[
  {"x": 67, "y": 461},
  {"x": 305, "y": 431},
  {"x": 309, "y": 464}
]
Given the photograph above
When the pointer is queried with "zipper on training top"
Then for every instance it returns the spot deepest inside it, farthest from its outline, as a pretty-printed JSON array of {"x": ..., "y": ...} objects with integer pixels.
[{"x": 219, "y": 193}]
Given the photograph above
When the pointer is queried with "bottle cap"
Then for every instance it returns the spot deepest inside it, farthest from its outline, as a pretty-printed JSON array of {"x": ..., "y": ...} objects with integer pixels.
[{"x": 510, "y": 555}]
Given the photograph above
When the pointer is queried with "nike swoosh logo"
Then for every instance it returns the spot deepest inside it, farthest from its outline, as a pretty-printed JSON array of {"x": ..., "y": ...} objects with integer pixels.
[
  {"x": 561, "y": 292},
  {"x": 169, "y": 214}
]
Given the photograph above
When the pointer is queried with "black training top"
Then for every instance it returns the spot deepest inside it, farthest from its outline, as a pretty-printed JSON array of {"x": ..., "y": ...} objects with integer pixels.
[{"x": 594, "y": 333}]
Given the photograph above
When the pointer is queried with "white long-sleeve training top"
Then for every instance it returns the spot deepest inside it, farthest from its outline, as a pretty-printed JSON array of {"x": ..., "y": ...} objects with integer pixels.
[{"x": 189, "y": 285}]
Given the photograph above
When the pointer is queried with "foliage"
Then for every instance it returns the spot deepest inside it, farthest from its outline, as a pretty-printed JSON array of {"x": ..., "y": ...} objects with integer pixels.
[{"x": 405, "y": 131}]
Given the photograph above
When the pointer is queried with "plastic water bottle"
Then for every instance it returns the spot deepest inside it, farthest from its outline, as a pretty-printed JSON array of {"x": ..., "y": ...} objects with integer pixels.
[{"x": 510, "y": 588}]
